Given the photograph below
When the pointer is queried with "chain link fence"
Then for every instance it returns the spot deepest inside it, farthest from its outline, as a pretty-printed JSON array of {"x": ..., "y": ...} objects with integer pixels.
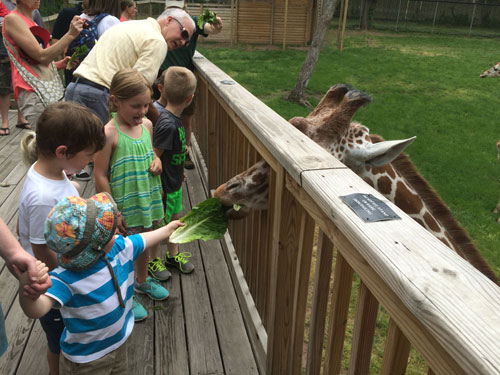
[{"x": 430, "y": 16}]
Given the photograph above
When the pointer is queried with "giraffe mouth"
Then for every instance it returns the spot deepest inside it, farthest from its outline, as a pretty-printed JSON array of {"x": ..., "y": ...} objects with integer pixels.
[{"x": 233, "y": 214}]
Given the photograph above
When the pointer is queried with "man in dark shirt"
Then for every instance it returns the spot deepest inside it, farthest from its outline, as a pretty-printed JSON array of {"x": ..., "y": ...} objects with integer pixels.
[{"x": 184, "y": 57}]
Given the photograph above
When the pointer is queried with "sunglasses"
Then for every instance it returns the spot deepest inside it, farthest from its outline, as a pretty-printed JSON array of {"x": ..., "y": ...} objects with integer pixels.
[{"x": 184, "y": 32}]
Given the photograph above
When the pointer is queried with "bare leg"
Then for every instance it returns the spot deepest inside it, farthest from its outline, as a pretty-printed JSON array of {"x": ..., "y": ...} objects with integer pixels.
[
  {"x": 53, "y": 360},
  {"x": 20, "y": 117},
  {"x": 141, "y": 267},
  {"x": 4, "y": 109}
]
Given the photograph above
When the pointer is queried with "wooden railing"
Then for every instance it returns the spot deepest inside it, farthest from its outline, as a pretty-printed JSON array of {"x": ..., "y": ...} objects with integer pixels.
[{"x": 437, "y": 302}]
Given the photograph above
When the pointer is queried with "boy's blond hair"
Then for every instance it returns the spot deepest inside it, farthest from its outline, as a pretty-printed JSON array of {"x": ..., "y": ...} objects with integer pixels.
[{"x": 179, "y": 84}]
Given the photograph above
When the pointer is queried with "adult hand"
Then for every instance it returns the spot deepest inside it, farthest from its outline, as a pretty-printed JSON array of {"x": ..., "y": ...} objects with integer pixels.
[
  {"x": 61, "y": 64},
  {"x": 218, "y": 25},
  {"x": 32, "y": 274},
  {"x": 76, "y": 26}
]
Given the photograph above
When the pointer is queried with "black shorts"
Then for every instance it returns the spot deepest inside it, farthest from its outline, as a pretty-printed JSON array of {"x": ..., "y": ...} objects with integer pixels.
[{"x": 53, "y": 326}]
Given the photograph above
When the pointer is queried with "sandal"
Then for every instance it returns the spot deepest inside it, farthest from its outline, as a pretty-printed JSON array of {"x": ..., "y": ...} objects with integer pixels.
[
  {"x": 5, "y": 132},
  {"x": 24, "y": 125}
]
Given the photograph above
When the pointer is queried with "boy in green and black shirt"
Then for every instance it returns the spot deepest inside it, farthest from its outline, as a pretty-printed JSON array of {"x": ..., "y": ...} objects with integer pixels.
[{"x": 169, "y": 142}]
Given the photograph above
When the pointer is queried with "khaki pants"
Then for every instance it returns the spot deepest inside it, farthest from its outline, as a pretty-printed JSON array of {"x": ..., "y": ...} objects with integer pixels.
[
  {"x": 114, "y": 363},
  {"x": 31, "y": 106}
]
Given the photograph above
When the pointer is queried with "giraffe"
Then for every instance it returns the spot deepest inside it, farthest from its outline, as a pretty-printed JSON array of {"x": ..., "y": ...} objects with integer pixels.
[
  {"x": 379, "y": 163},
  {"x": 492, "y": 72}
]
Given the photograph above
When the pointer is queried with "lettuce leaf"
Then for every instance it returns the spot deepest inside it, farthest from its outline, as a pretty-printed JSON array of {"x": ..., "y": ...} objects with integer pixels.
[{"x": 206, "y": 221}]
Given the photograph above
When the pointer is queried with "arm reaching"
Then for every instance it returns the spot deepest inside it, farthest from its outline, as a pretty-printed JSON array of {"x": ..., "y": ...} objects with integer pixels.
[
  {"x": 156, "y": 236},
  {"x": 34, "y": 308}
]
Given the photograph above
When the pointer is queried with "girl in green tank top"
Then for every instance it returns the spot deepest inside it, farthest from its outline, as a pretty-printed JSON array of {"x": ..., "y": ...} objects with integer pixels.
[{"x": 128, "y": 169}]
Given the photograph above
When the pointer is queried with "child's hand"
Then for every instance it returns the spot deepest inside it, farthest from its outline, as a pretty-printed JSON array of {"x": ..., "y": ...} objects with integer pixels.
[
  {"x": 172, "y": 226},
  {"x": 155, "y": 167},
  {"x": 32, "y": 288},
  {"x": 121, "y": 225}
]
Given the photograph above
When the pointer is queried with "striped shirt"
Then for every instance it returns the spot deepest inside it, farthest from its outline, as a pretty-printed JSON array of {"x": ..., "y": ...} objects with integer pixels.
[{"x": 95, "y": 323}]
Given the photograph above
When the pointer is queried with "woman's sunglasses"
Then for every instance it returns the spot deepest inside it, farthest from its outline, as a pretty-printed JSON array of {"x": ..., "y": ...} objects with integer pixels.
[{"x": 184, "y": 32}]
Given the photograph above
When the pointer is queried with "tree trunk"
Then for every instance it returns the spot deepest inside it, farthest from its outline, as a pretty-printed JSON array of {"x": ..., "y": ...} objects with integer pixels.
[{"x": 299, "y": 90}]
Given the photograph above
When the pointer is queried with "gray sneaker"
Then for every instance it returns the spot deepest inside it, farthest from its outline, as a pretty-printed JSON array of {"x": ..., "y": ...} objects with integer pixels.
[
  {"x": 158, "y": 270},
  {"x": 180, "y": 262}
]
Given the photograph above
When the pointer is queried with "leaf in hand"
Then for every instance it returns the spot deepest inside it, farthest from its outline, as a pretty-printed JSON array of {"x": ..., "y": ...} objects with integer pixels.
[
  {"x": 206, "y": 221},
  {"x": 79, "y": 51},
  {"x": 207, "y": 16}
]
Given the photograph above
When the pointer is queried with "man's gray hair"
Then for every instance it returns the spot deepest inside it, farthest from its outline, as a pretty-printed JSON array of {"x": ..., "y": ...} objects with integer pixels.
[{"x": 178, "y": 13}]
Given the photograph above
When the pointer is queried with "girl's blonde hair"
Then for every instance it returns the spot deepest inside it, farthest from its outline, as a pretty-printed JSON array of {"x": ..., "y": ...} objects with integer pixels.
[
  {"x": 179, "y": 84},
  {"x": 28, "y": 148},
  {"x": 126, "y": 84},
  {"x": 63, "y": 123}
]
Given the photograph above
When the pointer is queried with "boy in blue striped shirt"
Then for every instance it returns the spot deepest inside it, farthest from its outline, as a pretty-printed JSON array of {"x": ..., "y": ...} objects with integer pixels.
[{"x": 94, "y": 283}]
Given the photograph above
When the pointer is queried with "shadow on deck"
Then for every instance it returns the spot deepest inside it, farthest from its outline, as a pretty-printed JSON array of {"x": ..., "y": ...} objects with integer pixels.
[{"x": 198, "y": 330}]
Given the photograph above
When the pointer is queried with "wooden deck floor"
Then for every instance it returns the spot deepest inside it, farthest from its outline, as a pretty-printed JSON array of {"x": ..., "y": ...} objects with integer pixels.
[{"x": 197, "y": 330}]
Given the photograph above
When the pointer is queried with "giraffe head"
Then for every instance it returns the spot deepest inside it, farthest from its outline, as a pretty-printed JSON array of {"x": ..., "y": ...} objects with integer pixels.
[
  {"x": 248, "y": 189},
  {"x": 492, "y": 72},
  {"x": 329, "y": 124}
]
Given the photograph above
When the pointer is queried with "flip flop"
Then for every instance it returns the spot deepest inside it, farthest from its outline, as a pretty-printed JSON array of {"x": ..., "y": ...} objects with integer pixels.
[
  {"x": 24, "y": 125},
  {"x": 6, "y": 131}
]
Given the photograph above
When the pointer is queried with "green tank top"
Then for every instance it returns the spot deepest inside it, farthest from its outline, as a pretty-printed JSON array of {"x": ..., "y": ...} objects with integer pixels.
[{"x": 136, "y": 191}]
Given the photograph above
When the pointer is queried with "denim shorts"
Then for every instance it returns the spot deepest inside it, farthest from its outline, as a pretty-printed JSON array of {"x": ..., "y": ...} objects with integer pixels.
[{"x": 53, "y": 326}]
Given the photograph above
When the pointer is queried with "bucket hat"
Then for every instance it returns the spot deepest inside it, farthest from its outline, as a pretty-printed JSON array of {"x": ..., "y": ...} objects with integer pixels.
[{"x": 77, "y": 229}]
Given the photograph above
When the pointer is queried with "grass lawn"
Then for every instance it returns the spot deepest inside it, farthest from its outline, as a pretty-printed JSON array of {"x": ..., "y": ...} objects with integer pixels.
[{"x": 421, "y": 84}]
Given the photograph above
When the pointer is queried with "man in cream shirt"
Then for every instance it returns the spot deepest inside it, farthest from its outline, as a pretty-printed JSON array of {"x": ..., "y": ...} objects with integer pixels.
[{"x": 140, "y": 45}]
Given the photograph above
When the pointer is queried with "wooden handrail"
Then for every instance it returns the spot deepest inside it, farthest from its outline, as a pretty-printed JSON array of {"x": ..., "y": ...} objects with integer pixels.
[{"x": 445, "y": 308}]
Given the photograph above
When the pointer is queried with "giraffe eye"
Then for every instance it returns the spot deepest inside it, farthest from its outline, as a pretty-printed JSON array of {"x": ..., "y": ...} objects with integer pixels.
[{"x": 232, "y": 186}]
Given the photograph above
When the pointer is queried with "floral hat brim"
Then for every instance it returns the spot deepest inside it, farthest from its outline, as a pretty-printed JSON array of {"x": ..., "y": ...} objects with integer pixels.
[{"x": 78, "y": 229}]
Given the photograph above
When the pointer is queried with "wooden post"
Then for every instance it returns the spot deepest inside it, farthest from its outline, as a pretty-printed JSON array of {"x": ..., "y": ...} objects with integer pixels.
[
  {"x": 286, "y": 21},
  {"x": 346, "y": 6}
]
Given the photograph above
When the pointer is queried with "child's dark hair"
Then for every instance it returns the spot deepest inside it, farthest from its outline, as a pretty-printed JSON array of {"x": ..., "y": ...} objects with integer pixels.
[
  {"x": 179, "y": 84},
  {"x": 64, "y": 123},
  {"x": 126, "y": 84}
]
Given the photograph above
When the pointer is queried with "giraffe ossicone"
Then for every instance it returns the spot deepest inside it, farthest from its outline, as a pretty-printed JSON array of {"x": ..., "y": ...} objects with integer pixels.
[{"x": 378, "y": 162}]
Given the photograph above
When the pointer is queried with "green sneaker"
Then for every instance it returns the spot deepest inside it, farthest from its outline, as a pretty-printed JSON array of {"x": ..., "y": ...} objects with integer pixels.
[
  {"x": 139, "y": 311},
  {"x": 158, "y": 270},
  {"x": 152, "y": 289},
  {"x": 180, "y": 262}
]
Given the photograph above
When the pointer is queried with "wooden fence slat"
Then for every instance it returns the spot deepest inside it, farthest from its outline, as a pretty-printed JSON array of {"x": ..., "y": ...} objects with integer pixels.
[
  {"x": 304, "y": 258},
  {"x": 396, "y": 352},
  {"x": 322, "y": 276},
  {"x": 341, "y": 295},
  {"x": 364, "y": 332}
]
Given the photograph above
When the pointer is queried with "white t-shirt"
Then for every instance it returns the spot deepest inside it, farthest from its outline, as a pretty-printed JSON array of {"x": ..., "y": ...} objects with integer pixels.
[
  {"x": 39, "y": 195},
  {"x": 104, "y": 24}
]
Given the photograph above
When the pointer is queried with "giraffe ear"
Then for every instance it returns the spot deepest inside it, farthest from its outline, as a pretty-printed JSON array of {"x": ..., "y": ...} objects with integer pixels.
[{"x": 381, "y": 153}]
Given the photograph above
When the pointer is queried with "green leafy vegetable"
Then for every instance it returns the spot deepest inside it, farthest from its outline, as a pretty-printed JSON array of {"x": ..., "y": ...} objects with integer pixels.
[
  {"x": 207, "y": 16},
  {"x": 206, "y": 221},
  {"x": 79, "y": 51}
]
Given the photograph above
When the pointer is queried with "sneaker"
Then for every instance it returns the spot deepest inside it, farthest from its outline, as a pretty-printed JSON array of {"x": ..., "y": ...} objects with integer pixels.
[
  {"x": 188, "y": 163},
  {"x": 139, "y": 311},
  {"x": 152, "y": 289},
  {"x": 158, "y": 270},
  {"x": 83, "y": 175},
  {"x": 180, "y": 262}
]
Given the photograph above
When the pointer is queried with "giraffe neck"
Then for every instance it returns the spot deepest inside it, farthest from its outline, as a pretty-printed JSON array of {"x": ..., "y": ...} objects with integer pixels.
[{"x": 394, "y": 187}]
